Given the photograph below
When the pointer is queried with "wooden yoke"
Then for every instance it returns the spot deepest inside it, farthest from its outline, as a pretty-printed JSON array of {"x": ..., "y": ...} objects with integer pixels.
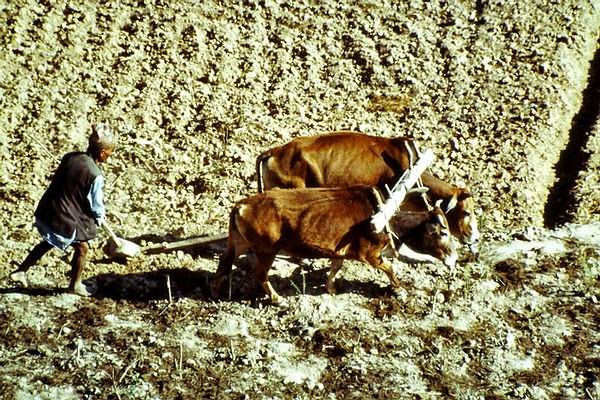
[
  {"x": 388, "y": 230},
  {"x": 386, "y": 210}
]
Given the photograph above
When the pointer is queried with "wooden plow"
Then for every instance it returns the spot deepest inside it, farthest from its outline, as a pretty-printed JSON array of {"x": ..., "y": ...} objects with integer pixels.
[
  {"x": 379, "y": 220},
  {"x": 186, "y": 244}
]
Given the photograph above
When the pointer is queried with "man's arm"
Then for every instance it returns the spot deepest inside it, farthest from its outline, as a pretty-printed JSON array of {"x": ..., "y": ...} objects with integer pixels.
[{"x": 96, "y": 199}]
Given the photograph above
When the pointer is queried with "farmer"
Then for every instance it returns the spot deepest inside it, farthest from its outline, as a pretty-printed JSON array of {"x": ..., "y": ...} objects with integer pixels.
[{"x": 72, "y": 207}]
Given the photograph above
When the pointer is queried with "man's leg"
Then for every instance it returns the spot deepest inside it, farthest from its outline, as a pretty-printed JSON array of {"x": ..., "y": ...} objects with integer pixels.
[
  {"x": 77, "y": 264},
  {"x": 33, "y": 257}
]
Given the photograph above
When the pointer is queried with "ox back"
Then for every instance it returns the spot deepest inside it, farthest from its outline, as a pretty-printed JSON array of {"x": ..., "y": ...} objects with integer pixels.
[
  {"x": 344, "y": 158},
  {"x": 324, "y": 223}
]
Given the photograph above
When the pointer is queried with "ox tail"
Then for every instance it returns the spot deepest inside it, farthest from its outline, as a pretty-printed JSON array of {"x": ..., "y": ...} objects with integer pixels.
[
  {"x": 225, "y": 266},
  {"x": 226, "y": 262},
  {"x": 262, "y": 158}
]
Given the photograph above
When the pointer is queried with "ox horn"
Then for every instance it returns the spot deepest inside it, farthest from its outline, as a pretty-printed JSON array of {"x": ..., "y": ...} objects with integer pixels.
[
  {"x": 440, "y": 220},
  {"x": 451, "y": 204},
  {"x": 438, "y": 203}
]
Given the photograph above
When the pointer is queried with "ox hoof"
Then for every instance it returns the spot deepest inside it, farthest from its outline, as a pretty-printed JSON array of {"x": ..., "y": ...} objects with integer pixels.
[
  {"x": 400, "y": 293},
  {"x": 395, "y": 282},
  {"x": 214, "y": 293},
  {"x": 473, "y": 248},
  {"x": 214, "y": 288},
  {"x": 277, "y": 300}
]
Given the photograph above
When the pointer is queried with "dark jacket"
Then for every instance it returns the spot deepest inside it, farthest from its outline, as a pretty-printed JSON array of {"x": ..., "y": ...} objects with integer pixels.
[{"x": 64, "y": 207}]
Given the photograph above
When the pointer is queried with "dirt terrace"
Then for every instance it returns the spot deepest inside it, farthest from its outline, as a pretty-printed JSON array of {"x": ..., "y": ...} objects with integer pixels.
[{"x": 503, "y": 93}]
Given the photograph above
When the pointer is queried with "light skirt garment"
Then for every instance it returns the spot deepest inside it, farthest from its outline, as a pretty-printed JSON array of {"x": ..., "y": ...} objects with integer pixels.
[{"x": 56, "y": 240}]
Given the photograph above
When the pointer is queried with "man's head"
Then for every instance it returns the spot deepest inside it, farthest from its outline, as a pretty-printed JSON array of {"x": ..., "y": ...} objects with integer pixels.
[{"x": 101, "y": 142}]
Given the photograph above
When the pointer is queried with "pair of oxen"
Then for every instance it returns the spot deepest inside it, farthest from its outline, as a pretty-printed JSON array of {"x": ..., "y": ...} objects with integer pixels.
[{"x": 317, "y": 195}]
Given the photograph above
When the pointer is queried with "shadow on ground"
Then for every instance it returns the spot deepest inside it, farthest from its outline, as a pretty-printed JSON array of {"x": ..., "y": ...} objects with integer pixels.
[
  {"x": 163, "y": 284},
  {"x": 32, "y": 291},
  {"x": 139, "y": 287},
  {"x": 178, "y": 283},
  {"x": 304, "y": 280}
]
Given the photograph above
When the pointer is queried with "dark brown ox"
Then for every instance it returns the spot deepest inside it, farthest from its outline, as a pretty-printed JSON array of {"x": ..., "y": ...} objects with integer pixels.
[
  {"x": 329, "y": 223},
  {"x": 350, "y": 158}
]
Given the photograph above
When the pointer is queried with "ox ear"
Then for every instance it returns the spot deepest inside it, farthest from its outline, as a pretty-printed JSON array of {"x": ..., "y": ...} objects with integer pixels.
[{"x": 464, "y": 194}]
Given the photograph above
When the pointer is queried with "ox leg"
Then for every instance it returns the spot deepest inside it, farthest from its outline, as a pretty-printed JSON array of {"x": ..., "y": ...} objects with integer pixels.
[
  {"x": 223, "y": 272},
  {"x": 261, "y": 275},
  {"x": 387, "y": 268},
  {"x": 378, "y": 263},
  {"x": 334, "y": 267}
]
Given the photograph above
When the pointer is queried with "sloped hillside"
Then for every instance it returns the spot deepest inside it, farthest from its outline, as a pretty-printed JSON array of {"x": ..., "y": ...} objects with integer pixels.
[{"x": 502, "y": 92}]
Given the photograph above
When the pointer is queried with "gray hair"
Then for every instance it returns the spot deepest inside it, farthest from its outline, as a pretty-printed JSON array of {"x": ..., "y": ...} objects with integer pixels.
[{"x": 102, "y": 137}]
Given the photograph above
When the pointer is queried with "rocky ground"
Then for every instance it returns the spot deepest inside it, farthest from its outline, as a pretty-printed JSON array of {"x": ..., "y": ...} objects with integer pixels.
[{"x": 505, "y": 94}]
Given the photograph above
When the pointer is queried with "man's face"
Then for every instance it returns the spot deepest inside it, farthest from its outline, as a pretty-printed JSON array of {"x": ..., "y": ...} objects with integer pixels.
[{"x": 104, "y": 154}]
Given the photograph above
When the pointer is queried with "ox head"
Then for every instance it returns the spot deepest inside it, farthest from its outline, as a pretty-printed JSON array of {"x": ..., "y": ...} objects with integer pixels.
[
  {"x": 460, "y": 211},
  {"x": 427, "y": 233}
]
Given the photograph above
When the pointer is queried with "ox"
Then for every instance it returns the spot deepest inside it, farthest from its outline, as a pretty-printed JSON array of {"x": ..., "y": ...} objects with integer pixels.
[
  {"x": 329, "y": 223},
  {"x": 347, "y": 158}
]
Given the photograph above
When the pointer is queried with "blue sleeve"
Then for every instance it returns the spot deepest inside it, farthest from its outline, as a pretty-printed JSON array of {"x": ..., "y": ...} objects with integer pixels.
[{"x": 96, "y": 199}]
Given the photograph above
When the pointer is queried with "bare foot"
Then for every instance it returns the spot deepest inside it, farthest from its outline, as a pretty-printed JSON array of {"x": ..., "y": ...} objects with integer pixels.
[
  {"x": 19, "y": 277},
  {"x": 79, "y": 289}
]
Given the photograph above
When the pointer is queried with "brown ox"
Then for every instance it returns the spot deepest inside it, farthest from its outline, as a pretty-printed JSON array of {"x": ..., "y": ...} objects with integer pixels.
[
  {"x": 350, "y": 158},
  {"x": 325, "y": 223}
]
